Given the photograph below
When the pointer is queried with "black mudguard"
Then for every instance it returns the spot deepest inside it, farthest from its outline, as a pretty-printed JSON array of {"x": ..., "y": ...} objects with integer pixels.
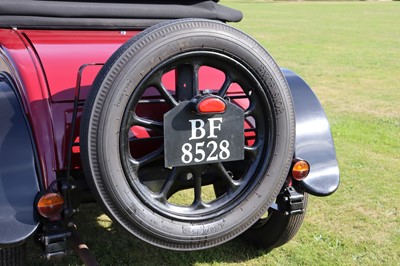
[
  {"x": 314, "y": 141},
  {"x": 18, "y": 175}
]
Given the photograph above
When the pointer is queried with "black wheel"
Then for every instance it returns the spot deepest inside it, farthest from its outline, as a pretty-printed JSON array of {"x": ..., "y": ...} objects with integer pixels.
[
  {"x": 122, "y": 134},
  {"x": 275, "y": 228},
  {"x": 13, "y": 256}
]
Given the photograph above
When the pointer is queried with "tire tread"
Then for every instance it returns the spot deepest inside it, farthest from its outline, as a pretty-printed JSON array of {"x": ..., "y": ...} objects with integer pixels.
[{"x": 13, "y": 256}]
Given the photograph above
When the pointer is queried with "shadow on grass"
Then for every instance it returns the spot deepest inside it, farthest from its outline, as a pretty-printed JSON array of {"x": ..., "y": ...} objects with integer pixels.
[{"x": 113, "y": 245}]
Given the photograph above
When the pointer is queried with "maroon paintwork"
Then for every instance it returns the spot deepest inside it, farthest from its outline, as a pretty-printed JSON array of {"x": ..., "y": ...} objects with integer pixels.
[{"x": 45, "y": 66}]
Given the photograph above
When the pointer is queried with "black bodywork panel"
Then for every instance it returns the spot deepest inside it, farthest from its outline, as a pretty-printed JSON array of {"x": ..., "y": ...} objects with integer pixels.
[
  {"x": 18, "y": 175},
  {"x": 314, "y": 141},
  {"x": 101, "y": 14}
]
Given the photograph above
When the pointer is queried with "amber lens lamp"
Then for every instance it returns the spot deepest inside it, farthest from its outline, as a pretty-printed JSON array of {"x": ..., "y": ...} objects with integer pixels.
[
  {"x": 300, "y": 169},
  {"x": 50, "y": 204}
]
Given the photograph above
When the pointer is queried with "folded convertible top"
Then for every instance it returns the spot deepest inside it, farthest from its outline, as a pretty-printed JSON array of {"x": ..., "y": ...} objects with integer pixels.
[{"x": 103, "y": 14}]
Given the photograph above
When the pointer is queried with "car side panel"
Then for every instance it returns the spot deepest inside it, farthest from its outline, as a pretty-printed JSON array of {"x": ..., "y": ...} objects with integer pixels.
[
  {"x": 314, "y": 141},
  {"x": 18, "y": 173},
  {"x": 19, "y": 60}
]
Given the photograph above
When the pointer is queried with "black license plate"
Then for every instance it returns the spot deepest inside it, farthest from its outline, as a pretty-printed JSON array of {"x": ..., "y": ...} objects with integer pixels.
[{"x": 192, "y": 139}]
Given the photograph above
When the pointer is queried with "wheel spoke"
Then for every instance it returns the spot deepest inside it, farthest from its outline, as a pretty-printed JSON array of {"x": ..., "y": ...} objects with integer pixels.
[
  {"x": 225, "y": 86},
  {"x": 163, "y": 194},
  {"x": 227, "y": 177},
  {"x": 198, "y": 203},
  {"x": 251, "y": 109},
  {"x": 166, "y": 94},
  {"x": 251, "y": 151},
  {"x": 151, "y": 157},
  {"x": 187, "y": 81},
  {"x": 133, "y": 165},
  {"x": 146, "y": 123}
]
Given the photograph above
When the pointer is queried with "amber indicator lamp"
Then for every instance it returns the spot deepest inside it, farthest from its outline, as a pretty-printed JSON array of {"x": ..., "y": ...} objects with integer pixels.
[
  {"x": 50, "y": 204},
  {"x": 300, "y": 169}
]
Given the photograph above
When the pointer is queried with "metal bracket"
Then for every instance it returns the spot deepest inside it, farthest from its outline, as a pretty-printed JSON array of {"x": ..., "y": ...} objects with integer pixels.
[
  {"x": 294, "y": 200},
  {"x": 55, "y": 243},
  {"x": 289, "y": 202},
  {"x": 66, "y": 186}
]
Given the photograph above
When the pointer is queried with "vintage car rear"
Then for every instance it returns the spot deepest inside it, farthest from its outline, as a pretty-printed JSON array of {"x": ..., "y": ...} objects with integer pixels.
[{"x": 181, "y": 127}]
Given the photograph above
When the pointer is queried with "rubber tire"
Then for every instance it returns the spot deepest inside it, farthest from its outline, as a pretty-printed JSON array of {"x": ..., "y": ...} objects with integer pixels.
[
  {"x": 104, "y": 108},
  {"x": 277, "y": 230},
  {"x": 13, "y": 256}
]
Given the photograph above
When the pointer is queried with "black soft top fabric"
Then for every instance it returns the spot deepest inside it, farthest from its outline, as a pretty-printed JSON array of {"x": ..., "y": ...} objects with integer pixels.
[{"x": 100, "y": 14}]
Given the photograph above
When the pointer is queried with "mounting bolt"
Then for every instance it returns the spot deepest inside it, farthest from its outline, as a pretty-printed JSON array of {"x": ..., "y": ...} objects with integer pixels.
[
  {"x": 286, "y": 199},
  {"x": 189, "y": 176}
]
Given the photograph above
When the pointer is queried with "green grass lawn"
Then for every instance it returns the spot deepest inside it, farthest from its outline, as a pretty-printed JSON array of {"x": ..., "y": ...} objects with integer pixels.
[{"x": 349, "y": 52}]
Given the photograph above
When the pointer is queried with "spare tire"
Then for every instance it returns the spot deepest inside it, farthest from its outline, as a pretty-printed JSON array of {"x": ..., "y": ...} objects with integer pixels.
[{"x": 122, "y": 134}]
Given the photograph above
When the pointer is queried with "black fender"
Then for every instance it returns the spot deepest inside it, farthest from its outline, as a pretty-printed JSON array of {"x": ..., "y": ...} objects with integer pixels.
[
  {"x": 314, "y": 141},
  {"x": 18, "y": 172}
]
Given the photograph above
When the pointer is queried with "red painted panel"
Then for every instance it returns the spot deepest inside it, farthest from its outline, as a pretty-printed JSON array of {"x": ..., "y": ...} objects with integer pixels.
[
  {"x": 63, "y": 52},
  {"x": 26, "y": 72},
  {"x": 45, "y": 65}
]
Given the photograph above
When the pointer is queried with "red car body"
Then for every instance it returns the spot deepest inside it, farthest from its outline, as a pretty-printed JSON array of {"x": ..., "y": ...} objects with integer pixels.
[
  {"x": 48, "y": 93},
  {"x": 42, "y": 69}
]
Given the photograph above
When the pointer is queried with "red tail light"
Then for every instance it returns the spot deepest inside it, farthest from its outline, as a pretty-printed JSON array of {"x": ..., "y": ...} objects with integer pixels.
[{"x": 209, "y": 104}]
